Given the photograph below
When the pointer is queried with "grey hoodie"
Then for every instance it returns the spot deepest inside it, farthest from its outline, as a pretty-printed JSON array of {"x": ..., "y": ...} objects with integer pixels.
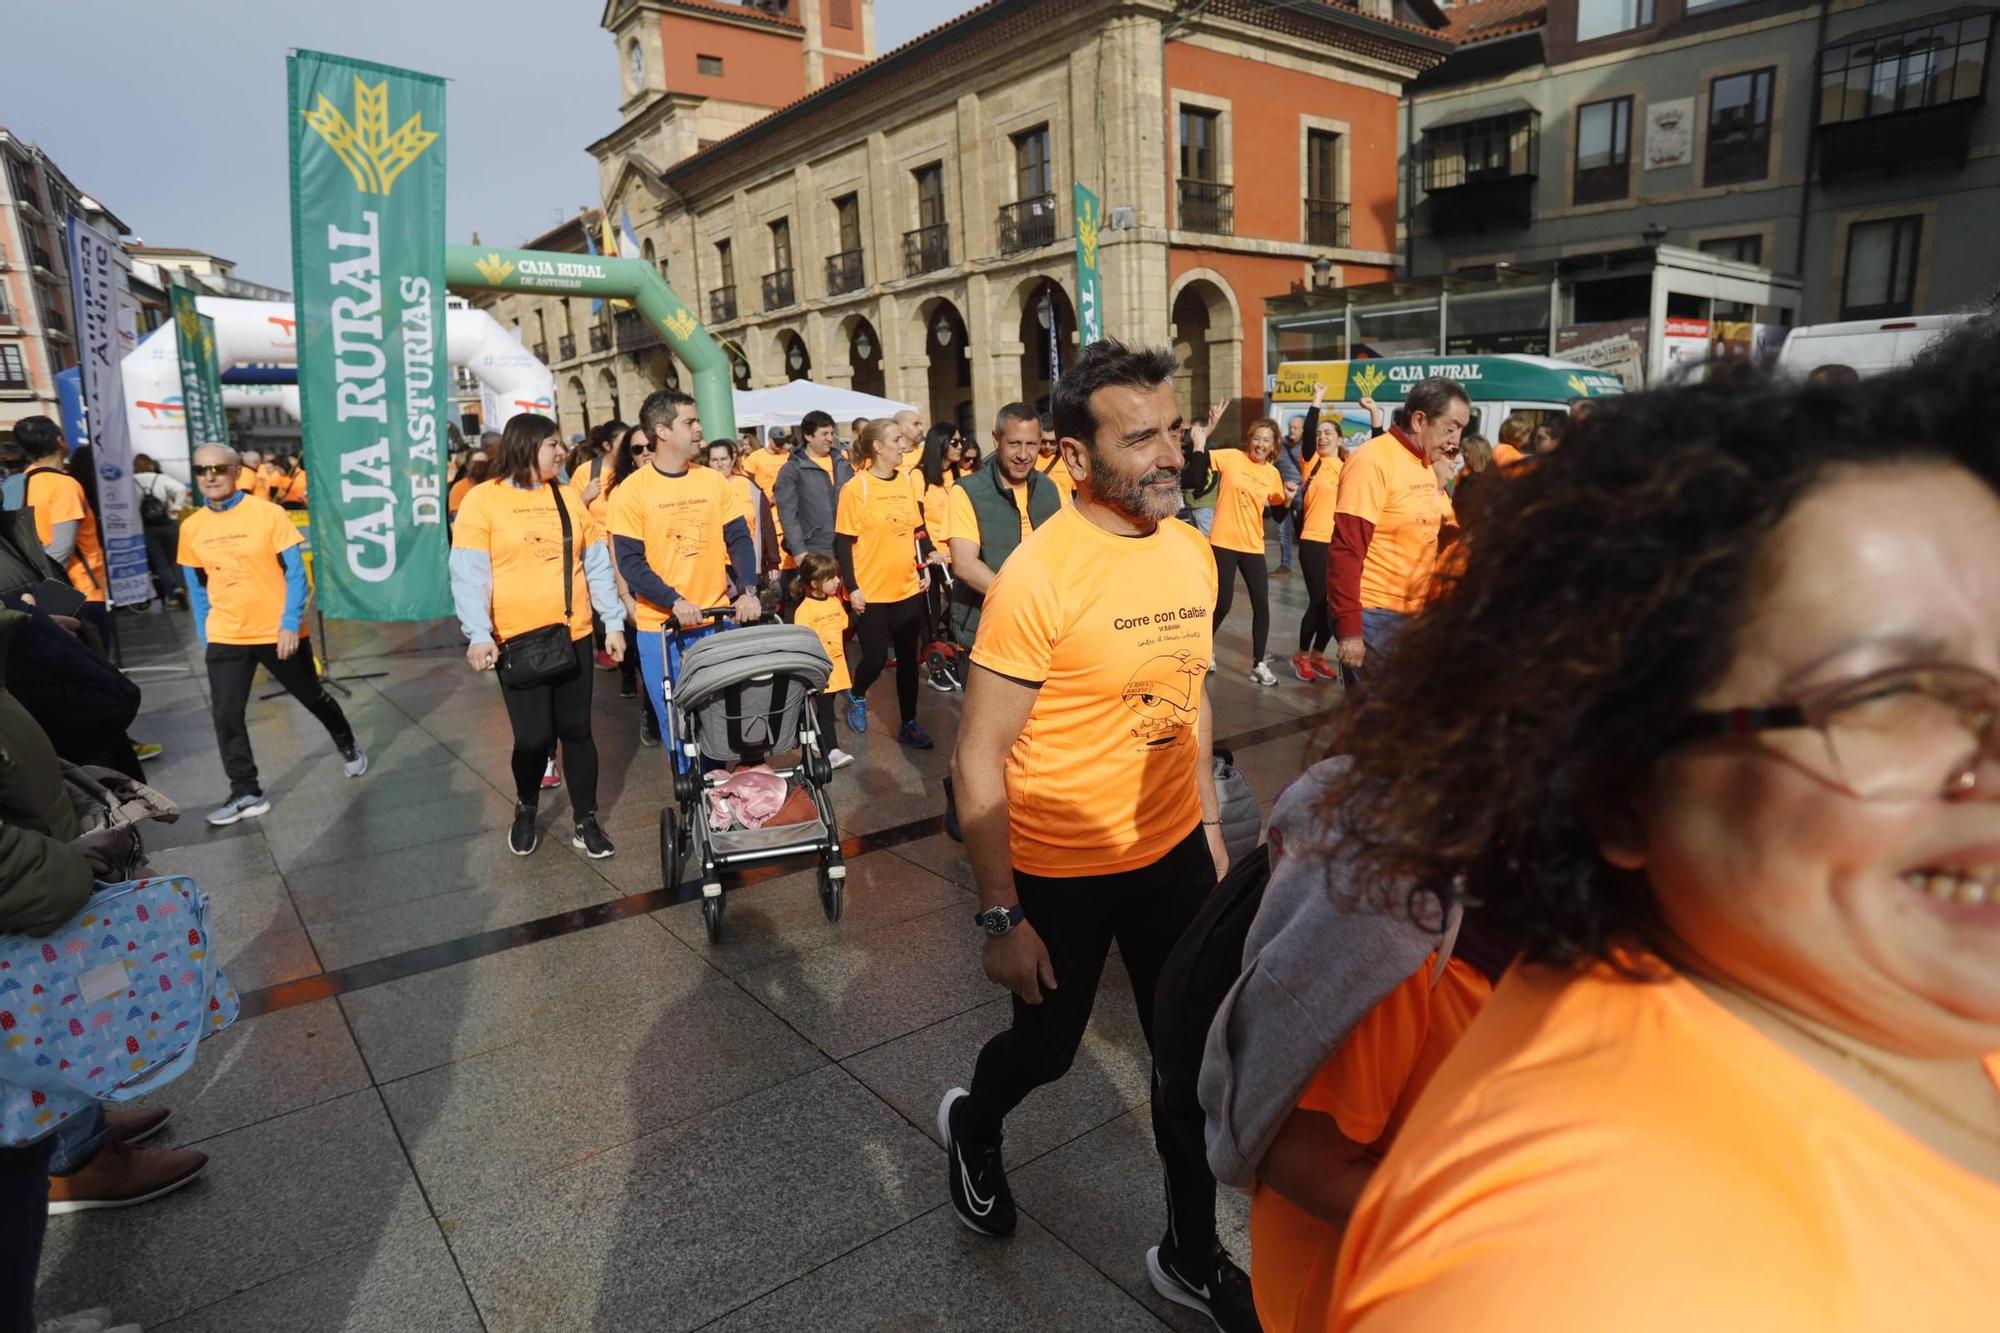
[{"x": 1317, "y": 959}]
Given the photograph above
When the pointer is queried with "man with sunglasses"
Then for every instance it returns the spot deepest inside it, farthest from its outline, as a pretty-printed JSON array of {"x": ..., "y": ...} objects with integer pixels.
[
  {"x": 246, "y": 583},
  {"x": 1386, "y": 521}
]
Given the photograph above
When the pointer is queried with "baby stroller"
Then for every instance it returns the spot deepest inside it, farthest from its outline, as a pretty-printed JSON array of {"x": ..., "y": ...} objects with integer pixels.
[
  {"x": 944, "y": 661},
  {"x": 748, "y": 694}
]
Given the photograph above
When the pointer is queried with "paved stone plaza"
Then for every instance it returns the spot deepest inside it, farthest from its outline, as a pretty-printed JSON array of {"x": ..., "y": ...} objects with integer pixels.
[{"x": 473, "y": 1091}]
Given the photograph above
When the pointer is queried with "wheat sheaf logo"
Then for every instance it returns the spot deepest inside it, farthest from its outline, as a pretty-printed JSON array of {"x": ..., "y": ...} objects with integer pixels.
[
  {"x": 1086, "y": 233},
  {"x": 493, "y": 268},
  {"x": 1582, "y": 388},
  {"x": 1368, "y": 380},
  {"x": 188, "y": 320},
  {"x": 681, "y": 324},
  {"x": 371, "y": 154}
]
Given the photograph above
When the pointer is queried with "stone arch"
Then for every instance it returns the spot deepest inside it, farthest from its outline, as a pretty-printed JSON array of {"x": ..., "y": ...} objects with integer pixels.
[
  {"x": 1207, "y": 325},
  {"x": 859, "y": 345},
  {"x": 1027, "y": 307},
  {"x": 794, "y": 359},
  {"x": 573, "y": 413},
  {"x": 947, "y": 357},
  {"x": 607, "y": 385}
]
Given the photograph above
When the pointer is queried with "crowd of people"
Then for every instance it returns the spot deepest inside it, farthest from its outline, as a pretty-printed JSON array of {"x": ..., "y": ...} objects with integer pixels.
[{"x": 1632, "y": 957}]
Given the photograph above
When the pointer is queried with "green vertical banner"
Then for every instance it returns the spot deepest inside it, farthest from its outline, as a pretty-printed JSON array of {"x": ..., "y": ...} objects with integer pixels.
[
  {"x": 201, "y": 377},
  {"x": 368, "y": 184},
  {"x": 1089, "y": 297}
]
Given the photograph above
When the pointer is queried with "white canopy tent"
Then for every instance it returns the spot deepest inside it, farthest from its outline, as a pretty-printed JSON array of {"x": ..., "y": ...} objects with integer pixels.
[{"x": 787, "y": 405}]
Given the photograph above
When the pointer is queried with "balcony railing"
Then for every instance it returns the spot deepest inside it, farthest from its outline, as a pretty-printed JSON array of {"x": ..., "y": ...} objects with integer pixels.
[
  {"x": 566, "y": 347},
  {"x": 778, "y": 291},
  {"x": 1208, "y": 206},
  {"x": 53, "y": 320},
  {"x": 635, "y": 332},
  {"x": 41, "y": 257},
  {"x": 722, "y": 305},
  {"x": 927, "y": 249},
  {"x": 541, "y": 351},
  {"x": 1028, "y": 224},
  {"x": 600, "y": 338},
  {"x": 844, "y": 273},
  {"x": 1326, "y": 223}
]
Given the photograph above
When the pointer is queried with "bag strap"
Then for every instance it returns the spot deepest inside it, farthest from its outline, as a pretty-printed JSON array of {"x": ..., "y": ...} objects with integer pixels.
[{"x": 568, "y": 580}]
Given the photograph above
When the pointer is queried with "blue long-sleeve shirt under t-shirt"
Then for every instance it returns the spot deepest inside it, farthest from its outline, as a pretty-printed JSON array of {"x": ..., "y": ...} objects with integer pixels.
[
  {"x": 292, "y": 558},
  {"x": 650, "y": 587}
]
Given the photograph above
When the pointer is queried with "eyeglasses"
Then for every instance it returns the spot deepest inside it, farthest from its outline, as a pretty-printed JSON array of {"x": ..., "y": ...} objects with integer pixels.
[
  {"x": 1452, "y": 451},
  {"x": 215, "y": 470},
  {"x": 642, "y": 449},
  {"x": 1897, "y": 735}
]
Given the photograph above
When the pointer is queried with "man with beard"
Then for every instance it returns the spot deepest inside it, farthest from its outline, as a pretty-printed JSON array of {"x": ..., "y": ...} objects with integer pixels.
[{"x": 1086, "y": 788}]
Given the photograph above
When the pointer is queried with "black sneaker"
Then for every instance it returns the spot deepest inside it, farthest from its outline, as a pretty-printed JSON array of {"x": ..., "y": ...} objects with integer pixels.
[
  {"x": 979, "y": 1193},
  {"x": 649, "y": 728},
  {"x": 524, "y": 837},
  {"x": 590, "y": 839},
  {"x": 1215, "y": 1286},
  {"x": 628, "y": 689}
]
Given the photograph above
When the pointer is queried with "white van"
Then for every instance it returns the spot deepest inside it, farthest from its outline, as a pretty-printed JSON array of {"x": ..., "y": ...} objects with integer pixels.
[{"x": 1870, "y": 346}]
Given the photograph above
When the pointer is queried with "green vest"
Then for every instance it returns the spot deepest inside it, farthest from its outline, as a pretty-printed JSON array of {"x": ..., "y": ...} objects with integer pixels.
[{"x": 999, "y": 532}]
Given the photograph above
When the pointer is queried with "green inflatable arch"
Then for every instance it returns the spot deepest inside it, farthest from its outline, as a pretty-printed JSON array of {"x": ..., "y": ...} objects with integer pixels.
[{"x": 552, "y": 273}]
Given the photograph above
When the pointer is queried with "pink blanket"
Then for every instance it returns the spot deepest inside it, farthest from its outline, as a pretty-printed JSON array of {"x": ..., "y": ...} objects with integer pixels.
[{"x": 747, "y": 798}]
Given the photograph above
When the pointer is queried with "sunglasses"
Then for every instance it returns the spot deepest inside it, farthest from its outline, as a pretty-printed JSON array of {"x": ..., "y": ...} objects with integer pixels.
[
  {"x": 642, "y": 449},
  {"x": 215, "y": 470}
]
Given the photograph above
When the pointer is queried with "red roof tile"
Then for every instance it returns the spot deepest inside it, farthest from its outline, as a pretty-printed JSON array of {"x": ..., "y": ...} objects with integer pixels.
[{"x": 1487, "y": 19}]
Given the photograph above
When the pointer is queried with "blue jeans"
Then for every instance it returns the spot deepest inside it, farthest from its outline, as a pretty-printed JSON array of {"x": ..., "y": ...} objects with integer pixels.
[
  {"x": 78, "y": 1140},
  {"x": 1285, "y": 541},
  {"x": 1204, "y": 519},
  {"x": 1379, "y": 632},
  {"x": 660, "y": 655}
]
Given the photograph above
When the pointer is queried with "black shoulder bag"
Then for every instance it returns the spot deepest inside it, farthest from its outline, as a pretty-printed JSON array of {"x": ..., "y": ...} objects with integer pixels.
[{"x": 539, "y": 656}]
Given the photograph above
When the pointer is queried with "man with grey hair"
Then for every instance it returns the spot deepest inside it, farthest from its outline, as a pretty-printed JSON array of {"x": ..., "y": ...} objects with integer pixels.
[{"x": 246, "y": 584}]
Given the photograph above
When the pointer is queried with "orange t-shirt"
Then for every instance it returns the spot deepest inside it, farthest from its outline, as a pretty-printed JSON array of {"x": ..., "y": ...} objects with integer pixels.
[
  {"x": 282, "y": 489},
  {"x": 882, "y": 517},
  {"x": 250, "y": 481},
  {"x": 937, "y": 511},
  {"x": 459, "y": 490},
  {"x": 964, "y": 520},
  {"x": 1247, "y": 486},
  {"x": 1115, "y": 631},
  {"x": 827, "y": 617},
  {"x": 681, "y": 520},
  {"x": 1322, "y": 483},
  {"x": 522, "y": 536},
  {"x": 1057, "y": 471},
  {"x": 56, "y": 497},
  {"x": 1506, "y": 457},
  {"x": 1367, "y": 1086},
  {"x": 239, "y": 547},
  {"x": 763, "y": 467},
  {"x": 1395, "y": 490},
  {"x": 1601, "y": 1153}
]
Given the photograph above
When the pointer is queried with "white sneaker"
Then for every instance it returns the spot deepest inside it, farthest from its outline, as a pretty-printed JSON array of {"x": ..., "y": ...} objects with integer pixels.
[
  {"x": 239, "y": 807},
  {"x": 83, "y": 1321},
  {"x": 838, "y": 757},
  {"x": 354, "y": 760},
  {"x": 1261, "y": 674}
]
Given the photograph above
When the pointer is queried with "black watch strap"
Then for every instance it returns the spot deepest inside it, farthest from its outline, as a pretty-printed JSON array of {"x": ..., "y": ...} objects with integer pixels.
[{"x": 1015, "y": 916}]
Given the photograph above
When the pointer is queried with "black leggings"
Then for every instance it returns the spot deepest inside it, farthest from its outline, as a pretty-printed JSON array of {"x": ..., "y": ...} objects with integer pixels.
[
  {"x": 1256, "y": 578},
  {"x": 557, "y": 710},
  {"x": 903, "y": 623},
  {"x": 1144, "y": 911},
  {"x": 829, "y": 739},
  {"x": 1316, "y": 625}
]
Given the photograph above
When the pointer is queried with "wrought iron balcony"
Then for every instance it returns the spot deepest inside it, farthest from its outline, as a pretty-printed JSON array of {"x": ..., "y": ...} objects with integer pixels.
[
  {"x": 635, "y": 331},
  {"x": 844, "y": 273},
  {"x": 722, "y": 305},
  {"x": 1326, "y": 223},
  {"x": 927, "y": 249},
  {"x": 600, "y": 338},
  {"x": 778, "y": 291},
  {"x": 541, "y": 351},
  {"x": 1028, "y": 224},
  {"x": 1208, "y": 206},
  {"x": 566, "y": 347}
]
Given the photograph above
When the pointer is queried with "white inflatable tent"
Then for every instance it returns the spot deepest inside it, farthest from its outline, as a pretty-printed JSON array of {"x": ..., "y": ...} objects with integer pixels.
[{"x": 260, "y": 333}]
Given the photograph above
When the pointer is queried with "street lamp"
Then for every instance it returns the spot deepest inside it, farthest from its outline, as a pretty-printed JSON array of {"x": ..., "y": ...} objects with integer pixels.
[
  {"x": 862, "y": 347},
  {"x": 942, "y": 330},
  {"x": 1654, "y": 235},
  {"x": 1322, "y": 273},
  {"x": 797, "y": 357}
]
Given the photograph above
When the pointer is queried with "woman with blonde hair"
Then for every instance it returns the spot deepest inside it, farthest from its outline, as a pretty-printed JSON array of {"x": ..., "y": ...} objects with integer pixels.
[
  {"x": 882, "y": 561},
  {"x": 1250, "y": 484}
]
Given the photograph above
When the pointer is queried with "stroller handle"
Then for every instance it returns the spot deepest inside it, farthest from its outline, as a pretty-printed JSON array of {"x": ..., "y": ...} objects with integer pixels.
[{"x": 709, "y": 614}]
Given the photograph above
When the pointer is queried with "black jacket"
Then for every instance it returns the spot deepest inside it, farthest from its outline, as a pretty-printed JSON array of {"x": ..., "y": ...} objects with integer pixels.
[{"x": 43, "y": 880}]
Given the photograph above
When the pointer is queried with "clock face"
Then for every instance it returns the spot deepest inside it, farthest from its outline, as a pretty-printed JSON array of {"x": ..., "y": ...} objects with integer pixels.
[{"x": 635, "y": 64}]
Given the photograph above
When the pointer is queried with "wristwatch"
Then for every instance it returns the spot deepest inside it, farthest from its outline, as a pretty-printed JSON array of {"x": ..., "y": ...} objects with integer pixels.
[{"x": 997, "y": 921}]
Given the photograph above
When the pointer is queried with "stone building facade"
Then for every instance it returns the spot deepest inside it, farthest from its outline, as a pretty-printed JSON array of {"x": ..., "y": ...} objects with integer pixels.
[{"x": 906, "y": 227}]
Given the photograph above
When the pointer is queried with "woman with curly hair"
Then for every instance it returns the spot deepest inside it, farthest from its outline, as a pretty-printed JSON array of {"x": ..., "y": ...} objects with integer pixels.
[{"x": 1730, "y": 784}]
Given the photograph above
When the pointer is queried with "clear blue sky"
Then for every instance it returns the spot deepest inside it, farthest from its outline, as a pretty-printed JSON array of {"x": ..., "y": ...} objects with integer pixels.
[{"x": 173, "y": 115}]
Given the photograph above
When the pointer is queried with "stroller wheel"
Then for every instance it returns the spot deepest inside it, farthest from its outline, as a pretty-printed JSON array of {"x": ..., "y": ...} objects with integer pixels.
[
  {"x": 670, "y": 847},
  {"x": 711, "y": 916},
  {"x": 832, "y": 892}
]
